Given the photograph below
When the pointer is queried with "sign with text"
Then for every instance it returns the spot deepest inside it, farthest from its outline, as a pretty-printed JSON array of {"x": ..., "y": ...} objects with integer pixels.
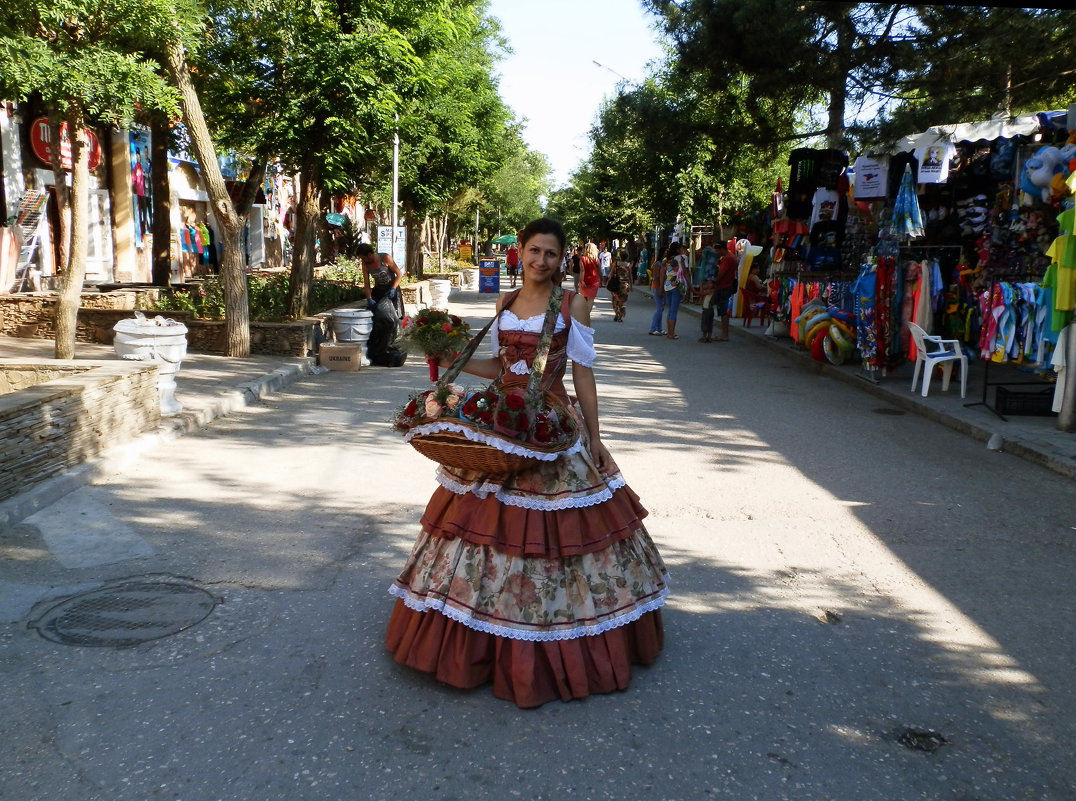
[
  {"x": 41, "y": 144},
  {"x": 489, "y": 276},
  {"x": 385, "y": 245}
]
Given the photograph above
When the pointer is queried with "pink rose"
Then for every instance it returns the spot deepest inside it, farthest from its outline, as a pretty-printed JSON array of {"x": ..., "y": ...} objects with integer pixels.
[
  {"x": 452, "y": 401},
  {"x": 433, "y": 408}
]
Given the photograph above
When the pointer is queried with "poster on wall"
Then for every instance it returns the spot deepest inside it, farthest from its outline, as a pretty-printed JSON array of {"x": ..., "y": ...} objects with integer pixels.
[{"x": 141, "y": 186}]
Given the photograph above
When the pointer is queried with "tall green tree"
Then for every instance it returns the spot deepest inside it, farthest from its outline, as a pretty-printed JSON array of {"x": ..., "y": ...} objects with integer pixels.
[
  {"x": 88, "y": 59},
  {"x": 452, "y": 129},
  {"x": 315, "y": 83}
]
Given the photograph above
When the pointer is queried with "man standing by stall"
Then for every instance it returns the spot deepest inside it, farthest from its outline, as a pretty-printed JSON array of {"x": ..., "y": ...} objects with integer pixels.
[{"x": 724, "y": 288}]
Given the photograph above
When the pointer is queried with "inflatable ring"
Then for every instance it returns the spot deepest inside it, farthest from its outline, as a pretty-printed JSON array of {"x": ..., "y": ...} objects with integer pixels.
[
  {"x": 809, "y": 318},
  {"x": 842, "y": 338},
  {"x": 815, "y": 328},
  {"x": 818, "y": 347},
  {"x": 834, "y": 353}
]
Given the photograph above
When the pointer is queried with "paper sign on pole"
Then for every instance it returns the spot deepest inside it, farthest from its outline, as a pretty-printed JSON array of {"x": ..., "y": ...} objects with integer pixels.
[{"x": 385, "y": 245}]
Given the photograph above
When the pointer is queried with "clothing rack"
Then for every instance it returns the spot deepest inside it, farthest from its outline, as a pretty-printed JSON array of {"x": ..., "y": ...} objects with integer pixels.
[{"x": 988, "y": 383}]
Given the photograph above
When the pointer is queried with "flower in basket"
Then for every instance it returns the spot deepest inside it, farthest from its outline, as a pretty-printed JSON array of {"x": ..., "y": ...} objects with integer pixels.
[
  {"x": 479, "y": 408},
  {"x": 441, "y": 401},
  {"x": 512, "y": 417}
]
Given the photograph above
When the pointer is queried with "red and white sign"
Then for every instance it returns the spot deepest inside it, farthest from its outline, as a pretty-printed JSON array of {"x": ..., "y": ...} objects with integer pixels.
[{"x": 41, "y": 144}]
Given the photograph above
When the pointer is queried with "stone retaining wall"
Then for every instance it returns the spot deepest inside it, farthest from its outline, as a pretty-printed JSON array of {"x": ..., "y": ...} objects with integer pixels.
[
  {"x": 55, "y": 425},
  {"x": 100, "y": 311}
]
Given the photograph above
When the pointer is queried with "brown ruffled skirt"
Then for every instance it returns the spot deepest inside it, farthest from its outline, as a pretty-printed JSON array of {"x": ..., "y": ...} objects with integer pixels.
[{"x": 545, "y": 603}]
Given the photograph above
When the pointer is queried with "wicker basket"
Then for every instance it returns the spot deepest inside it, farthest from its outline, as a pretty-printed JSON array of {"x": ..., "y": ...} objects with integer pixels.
[{"x": 455, "y": 450}]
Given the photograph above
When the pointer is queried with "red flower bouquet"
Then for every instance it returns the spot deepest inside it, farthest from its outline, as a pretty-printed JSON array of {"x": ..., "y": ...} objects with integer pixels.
[
  {"x": 435, "y": 334},
  {"x": 512, "y": 418}
]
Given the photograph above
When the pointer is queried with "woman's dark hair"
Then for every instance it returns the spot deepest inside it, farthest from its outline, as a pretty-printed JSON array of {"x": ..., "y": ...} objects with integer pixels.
[
  {"x": 365, "y": 249},
  {"x": 544, "y": 225}
]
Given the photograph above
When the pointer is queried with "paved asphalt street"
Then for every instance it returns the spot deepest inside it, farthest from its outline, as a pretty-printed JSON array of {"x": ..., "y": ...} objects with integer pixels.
[{"x": 867, "y": 606}]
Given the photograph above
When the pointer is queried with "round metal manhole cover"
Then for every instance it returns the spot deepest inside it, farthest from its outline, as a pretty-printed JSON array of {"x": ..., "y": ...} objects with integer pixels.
[
  {"x": 893, "y": 412},
  {"x": 125, "y": 614}
]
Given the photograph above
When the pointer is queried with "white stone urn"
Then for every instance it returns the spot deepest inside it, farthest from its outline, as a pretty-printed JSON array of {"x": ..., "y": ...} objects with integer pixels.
[{"x": 159, "y": 340}]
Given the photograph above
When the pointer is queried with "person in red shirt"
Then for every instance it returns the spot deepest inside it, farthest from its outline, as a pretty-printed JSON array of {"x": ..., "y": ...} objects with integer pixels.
[
  {"x": 724, "y": 288},
  {"x": 511, "y": 261}
]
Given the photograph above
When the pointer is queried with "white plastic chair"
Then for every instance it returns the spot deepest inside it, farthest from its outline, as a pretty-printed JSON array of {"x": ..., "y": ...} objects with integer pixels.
[{"x": 933, "y": 351}]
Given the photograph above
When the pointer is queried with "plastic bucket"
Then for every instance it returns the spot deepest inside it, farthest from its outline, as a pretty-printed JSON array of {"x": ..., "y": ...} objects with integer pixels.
[
  {"x": 352, "y": 325},
  {"x": 439, "y": 291}
]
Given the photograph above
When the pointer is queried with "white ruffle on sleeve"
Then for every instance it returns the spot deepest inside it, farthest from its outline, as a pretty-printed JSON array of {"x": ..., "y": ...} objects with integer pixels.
[
  {"x": 581, "y": 344},
  {"x": 580, "y": 337}
]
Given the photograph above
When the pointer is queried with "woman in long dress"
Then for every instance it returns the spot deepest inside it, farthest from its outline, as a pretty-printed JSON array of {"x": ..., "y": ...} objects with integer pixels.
[{"x": 545, "y": 582}]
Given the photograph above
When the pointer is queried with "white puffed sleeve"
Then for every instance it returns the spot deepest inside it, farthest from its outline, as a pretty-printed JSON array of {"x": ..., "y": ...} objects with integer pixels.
[
  {"x": 581, "y": 344},
  {"x": 495, "y": 337}
]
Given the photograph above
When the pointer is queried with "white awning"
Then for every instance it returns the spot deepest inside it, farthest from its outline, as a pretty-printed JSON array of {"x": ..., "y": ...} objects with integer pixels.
[{"x": 989, "y": 130}]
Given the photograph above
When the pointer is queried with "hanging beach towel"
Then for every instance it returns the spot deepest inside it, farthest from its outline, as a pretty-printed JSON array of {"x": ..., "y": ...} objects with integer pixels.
[{"x": 907, "y": 222}]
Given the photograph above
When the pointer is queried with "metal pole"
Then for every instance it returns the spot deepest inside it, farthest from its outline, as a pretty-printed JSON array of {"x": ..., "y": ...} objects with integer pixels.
[
  {"x": 476, "y": 234},
  {"x": 395, "y": 184},
  {"x": 1066, "y": 418}
]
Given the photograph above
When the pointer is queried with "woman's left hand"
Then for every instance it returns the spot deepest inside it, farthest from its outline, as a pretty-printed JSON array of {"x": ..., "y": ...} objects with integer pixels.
[{"x": 600, "y": 454}]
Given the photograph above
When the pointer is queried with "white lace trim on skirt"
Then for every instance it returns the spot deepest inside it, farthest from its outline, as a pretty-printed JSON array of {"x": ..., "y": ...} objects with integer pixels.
[
  {"x": 494, "y": 441},
  {"x": 438, "y": 605},
  {"x": 508, "y": 498}
]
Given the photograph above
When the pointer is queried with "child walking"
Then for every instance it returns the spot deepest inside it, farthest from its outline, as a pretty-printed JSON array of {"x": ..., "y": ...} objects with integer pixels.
[{"x": 707, "y": 311}]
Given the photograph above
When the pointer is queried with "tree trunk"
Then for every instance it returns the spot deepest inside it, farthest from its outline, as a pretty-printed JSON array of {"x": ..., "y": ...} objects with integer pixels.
[
  {"x": 413, "y": 251},
  {"x": 63, "y": 194},
  {"x": 71, "y": 279},
  {"x": 232, "y": 268},
  {"x": 162, "y": 201},
  {"x": 838, "y": 93},
  {"x": 302, "y": 263},
  {"x": 325, "y": 250}
]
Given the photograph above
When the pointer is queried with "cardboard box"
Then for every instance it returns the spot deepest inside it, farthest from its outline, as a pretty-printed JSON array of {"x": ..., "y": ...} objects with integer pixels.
[{"x": 346, "y": 358}]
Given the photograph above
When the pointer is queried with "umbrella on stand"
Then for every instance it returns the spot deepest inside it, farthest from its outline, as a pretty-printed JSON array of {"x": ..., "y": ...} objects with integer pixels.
[
  {"x": 907, "y": 221},
  {"x": 506, "y": 239}
]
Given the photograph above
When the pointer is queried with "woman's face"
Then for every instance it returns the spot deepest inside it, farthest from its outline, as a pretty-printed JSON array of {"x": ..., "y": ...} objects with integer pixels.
[{"x": 541, "y": 257}]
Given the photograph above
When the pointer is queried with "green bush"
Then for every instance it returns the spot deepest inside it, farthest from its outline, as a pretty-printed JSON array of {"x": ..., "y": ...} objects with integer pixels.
[{"x": 267, "y": 296}]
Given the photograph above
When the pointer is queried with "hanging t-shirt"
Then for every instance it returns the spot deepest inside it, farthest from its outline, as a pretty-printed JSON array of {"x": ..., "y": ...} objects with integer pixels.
[
  {"x": 1065, "y": 221},
  {"x": 897, "y": 164},
  {"x": 871, "y": 177},
  {"x": 811, "y": 169},
  {"x": 824, "y": 206},
  {"x": 1063, "y": 253},
  {"x": 934, "y": 162}
]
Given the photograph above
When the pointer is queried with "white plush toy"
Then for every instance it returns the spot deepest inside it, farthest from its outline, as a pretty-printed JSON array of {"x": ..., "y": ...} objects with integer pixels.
[{"x": 1039, "y": 171}]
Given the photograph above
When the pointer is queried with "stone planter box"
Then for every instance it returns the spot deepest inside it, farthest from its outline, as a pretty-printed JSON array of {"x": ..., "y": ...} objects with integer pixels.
[
  {"x": 61, "y": 414},
  {"x": 100, "y": 312}
]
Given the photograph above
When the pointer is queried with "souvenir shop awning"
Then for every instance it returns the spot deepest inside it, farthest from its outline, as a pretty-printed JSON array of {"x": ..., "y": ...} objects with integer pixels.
[{"x": 988, "y": 130}]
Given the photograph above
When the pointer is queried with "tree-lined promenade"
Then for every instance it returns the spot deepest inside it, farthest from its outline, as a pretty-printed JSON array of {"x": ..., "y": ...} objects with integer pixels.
[{"x": 322, "y": 89}]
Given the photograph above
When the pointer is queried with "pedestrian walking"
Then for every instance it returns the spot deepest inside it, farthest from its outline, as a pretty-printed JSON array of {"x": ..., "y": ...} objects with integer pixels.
[
  {"x": 605, "y": 262},
  {"x": 511, "y": 263},
  {"x": 677, "y": 283},
  {"x": 619, "y": 286},
  {"x": 707, "y": 318},
  {"x": 589, "y": 275},
  {"x": 657, "y": 286},
  {"x": 544, "y": 582}
]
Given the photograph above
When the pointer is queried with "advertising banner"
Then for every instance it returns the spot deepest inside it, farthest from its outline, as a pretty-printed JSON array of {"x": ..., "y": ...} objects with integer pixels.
[{"x": 489, "y": 276}]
